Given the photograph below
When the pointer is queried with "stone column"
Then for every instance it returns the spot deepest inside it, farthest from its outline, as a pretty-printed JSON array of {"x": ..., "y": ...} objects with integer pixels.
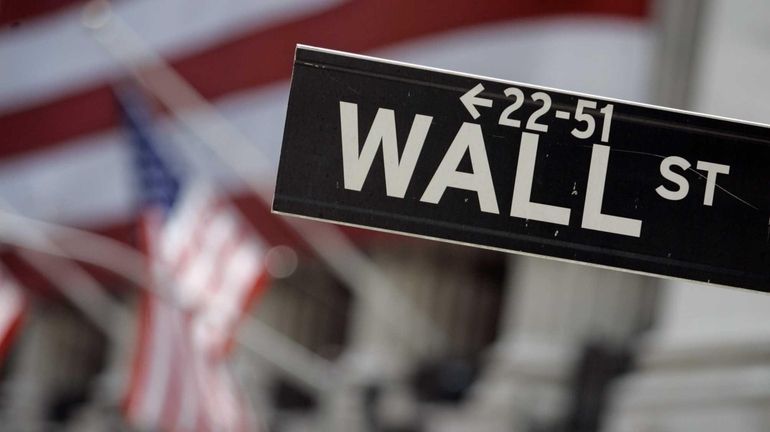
[
  {"x": 436, "y": 280},
  {"x": 103, "y": 409},
  {"x": 552, "y": 310},
  {"x": 379, "y": 354},
  {"x": 706, "y": 367}
]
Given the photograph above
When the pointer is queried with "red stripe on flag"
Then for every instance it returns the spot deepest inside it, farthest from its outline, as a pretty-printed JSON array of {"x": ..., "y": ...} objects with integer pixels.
[
  {"x": 192, "y": 248},
  {"x": 265, "y": 56},
  {"x": 227, "y": 251},
  {"x": 14, "y": 12},
  {"x": 256, "y": 291},
  {"x": 12, "y": 331}
]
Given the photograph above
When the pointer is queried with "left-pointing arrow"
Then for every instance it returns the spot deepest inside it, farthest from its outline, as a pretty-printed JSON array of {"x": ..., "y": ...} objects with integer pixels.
[{"x": 470, "y": 99}]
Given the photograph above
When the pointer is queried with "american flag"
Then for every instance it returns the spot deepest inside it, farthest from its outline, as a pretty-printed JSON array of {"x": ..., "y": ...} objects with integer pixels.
[
  {"x": 12, "y": 308},
  {"x": 206, "y": 267}
]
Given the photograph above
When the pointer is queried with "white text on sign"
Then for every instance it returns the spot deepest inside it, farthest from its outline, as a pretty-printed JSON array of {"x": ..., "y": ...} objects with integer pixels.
[{"x": 469, "y": 139}]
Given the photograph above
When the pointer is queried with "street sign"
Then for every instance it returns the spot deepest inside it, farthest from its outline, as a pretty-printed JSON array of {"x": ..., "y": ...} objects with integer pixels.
[{"x": 520, "y": 168}]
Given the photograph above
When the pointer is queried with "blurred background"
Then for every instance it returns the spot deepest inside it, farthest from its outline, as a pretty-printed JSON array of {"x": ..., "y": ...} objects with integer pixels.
[{"x": 351, "y": 330}]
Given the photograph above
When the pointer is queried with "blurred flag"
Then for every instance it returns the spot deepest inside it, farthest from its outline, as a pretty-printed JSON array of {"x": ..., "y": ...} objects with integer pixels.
[
  {"x": 12, "y": 307},
  {"x": 206, "y": 267},
  {"x": 62, "y": 145}
]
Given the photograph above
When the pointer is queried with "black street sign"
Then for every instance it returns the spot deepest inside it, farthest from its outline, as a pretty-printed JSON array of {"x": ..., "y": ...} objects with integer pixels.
[{"x": 515, "y": 167}]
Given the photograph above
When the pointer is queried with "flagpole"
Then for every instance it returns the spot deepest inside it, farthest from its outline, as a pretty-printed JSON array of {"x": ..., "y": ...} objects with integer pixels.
[
  {"x": 306, "y": 367},
  {"x": 349, "y": 264}
]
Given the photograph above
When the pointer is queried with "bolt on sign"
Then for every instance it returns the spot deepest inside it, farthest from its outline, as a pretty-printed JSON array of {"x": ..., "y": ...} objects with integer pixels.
[{"x": 526, "y": 169}]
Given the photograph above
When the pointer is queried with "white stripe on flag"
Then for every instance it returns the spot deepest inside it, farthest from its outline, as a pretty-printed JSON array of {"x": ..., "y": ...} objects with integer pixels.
[
  {"x": 155, "y": 382},
  {"x": 190, "y": 391},
  {"x": 196, "y": 275},
  {"x": 192, "y": 214},
  {"x": 11, "y": 304},
  {"x": 12, "y": 307}
]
